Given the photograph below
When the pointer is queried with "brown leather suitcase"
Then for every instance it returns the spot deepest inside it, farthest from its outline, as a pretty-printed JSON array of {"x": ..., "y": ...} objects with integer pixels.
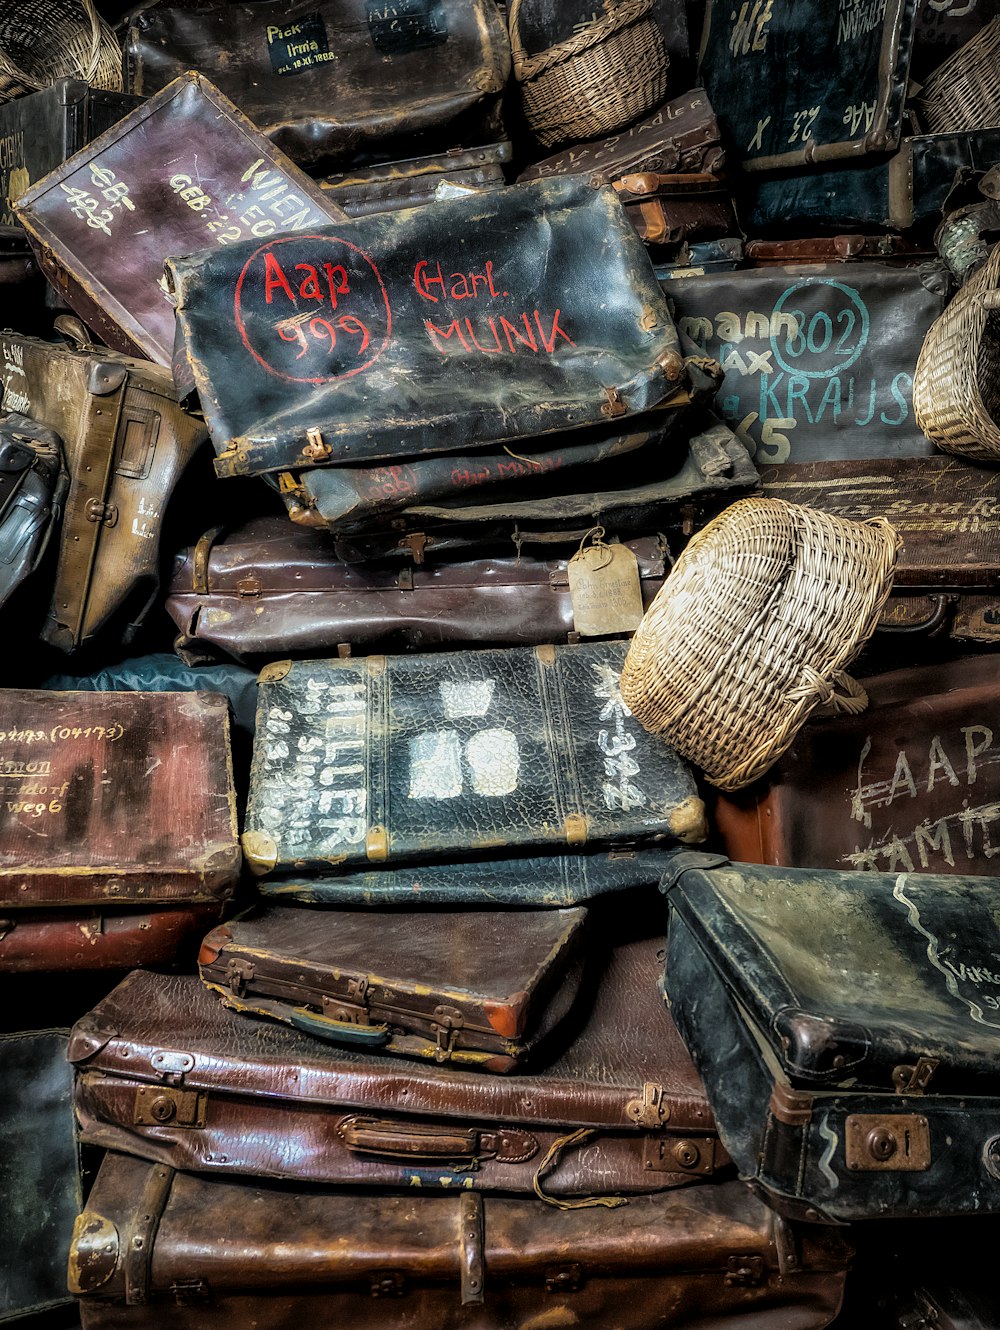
[
  {"x": 476, "y": 988},
  {"x": 910, "y": 785},
  {"x": 99, "y": 938},
  {"x": 271, "y": 588},
  {"x": 165, "y": 1072},
  {"x": 947, "y": 580},
  {"x": 186, "y": 171},
  {"x": 670, "y": 209},
  {"x": 156, "y": 1249},
  {"x": 336, "y": 80},
  {"x": 681, "y": 136},
  {"x": 126, "y": 441},
  {"x": 834, "y": 249},
  {"x": 111, "y": 802},
  {"x": 414, "y": 181}
]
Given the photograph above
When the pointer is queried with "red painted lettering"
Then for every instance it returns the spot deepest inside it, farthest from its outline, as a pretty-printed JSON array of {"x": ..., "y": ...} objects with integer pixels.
[
  {"x": 460, "y": 289},
  {"x": 489, "y": 278},
  {"x": 452, "y": 330},
  {"x": 486, "y": 350},
  {"x": 423, "y": 283},
  {"x": 309, "y": 286},
  {"x": 550, "y": 342},
  {"x": 274, "y": 277},
  {"x": 336, "y": 277},
  {"x": 528, "y": 340}
]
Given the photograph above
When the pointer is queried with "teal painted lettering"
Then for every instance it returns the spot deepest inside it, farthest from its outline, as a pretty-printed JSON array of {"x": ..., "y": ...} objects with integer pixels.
[
  {"x": 797, "y": 390},
  {"x": 831, "y": 398},
  {"x": 871, "y": 407},
  {"x": 903, "y": 400},
  {"x": 770, "y": 407}
]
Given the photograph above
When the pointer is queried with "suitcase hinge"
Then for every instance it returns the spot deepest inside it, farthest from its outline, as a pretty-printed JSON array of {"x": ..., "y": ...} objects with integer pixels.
[
  {"x": 316, "y": 448},
  {"x": 388, "y": 1284},
  {"x": 744, "y": 1271},
  {"x": 189, "y": 1292},
  {"x": 915, "y": 1079},
  {"x": 446, "y": 1025},
  {"x": 97, "y": 511},
  {"x": 239, "y": 972},
  {"x": 162, "y": 1105},
  {"x": 652, "y": 1110},
  {"x": 563, "y": 1278},
  {"x": 614, "y": 406},
  {"x": 352, "y": 1009},
  {"x": 247, "y": 588}
]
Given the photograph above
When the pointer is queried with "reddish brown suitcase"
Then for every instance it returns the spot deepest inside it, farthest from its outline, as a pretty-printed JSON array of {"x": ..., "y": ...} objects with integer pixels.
[
  {"x": 112, "y": 802},
  {"x": 669, "y": 209},
  {"x": 165, "y": 1072},
  {"x": 477, "y": 988},
  {"x": 910, "y": 785},
  {"x": 272, "y": 588},
  {"x": 156, "y": 1249},
  {"x": 184, "y": 172}
]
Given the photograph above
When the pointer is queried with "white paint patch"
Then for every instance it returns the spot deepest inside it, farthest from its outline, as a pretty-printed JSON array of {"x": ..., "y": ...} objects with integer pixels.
[
  {"x": 469, "y": 698},
  {"x": 495, "y": 759},
  {"x": 436, "y": 765}
]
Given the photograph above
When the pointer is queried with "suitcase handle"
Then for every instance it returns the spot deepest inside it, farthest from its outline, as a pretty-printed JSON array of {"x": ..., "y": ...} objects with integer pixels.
[
  {"x": 339, "y": 1032},
  {"x": 378, "y": 1136}
]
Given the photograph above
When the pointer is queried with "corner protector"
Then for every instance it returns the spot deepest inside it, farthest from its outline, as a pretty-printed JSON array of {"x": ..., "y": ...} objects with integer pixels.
[
  {"x": 377, "y": 844},
  {"x": 93, "y": 1254},
  {"x": 260, "y": 851},
  {"x": 274, "y": 672},
  {"x": 689, "y": 821}
]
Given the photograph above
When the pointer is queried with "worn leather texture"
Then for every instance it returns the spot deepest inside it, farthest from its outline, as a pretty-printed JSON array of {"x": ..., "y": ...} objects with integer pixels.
[
  {"x": 115, "y": 799},
  {"x": 101, "y": 937},
  {"x": 946, "y": 510},
  {"x": 819, "y": 360},
  {"x": 807, "y": 82},
  {"x": 126, "y": 443},
  {"x": 265, "y": 1257},
  {"x": 472, "y": 987},
  {"x": 519, "y": 338},
  {"x": 338, "y": 79},
  {"x": 898, "y": 192},
  {"x": 425, "y": 757},
  {"x": 33, "y": 484},
  {"x": 861, "y": 1009},
  {"x": 414, "y": 180},
  {"x": 698, "y": 465},
  {"x": 680, "y": 136},
  {"x": 107, "y": 258},
  {"x": 270, "y": 588},
  {"x": 276, "y": 1103},
  {"x": 39, "y": 1189},
  {"x": 38, "y": 132},
  {"x": 910, "y": 785},
  {"x": 558, "y": 879}
]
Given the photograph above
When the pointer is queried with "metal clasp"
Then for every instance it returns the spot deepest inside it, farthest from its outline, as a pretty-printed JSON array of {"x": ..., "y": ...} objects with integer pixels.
[
  {"x": 352, "y": 1009},
  {"x": 96, "y": 511},
  {"x": 651, "y": 1110},
  {"x": 915, "y": 1079},
  {"x": 447, "y": 1023},
  {"x": 239, "y": 972}
]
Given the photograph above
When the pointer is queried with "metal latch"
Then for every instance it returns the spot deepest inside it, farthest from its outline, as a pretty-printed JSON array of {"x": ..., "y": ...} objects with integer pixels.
[
  {"x": 189, "y": 1292},
  {"x": 172, "y": 1067},
  {"x": 887, "y": 1143},
  {"x": 651, "y": 1110},
  {"x": 744, "y": 1271},
  {"x": 416, "y": 543},
  {"x": 239, "y": 972},
  {"x": 96, "y": 511},
  {"x": 352, "y": 1009},
  {"x": 914, "y": 1080},
  {"x": 248, "y": 587},
  {"x": 563, "y": 1278},
  {"x": 316, "y": 449},
  {"x": 156, "y": 1106},
  {"x": 446, "y": 1025},
  {"x": 615, "y": 405}
]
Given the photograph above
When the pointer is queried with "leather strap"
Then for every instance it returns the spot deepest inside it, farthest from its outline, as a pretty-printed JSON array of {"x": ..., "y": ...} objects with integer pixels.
[
  {"x": 141, "y": 1234},
  {"x": 91, "y": 471}
]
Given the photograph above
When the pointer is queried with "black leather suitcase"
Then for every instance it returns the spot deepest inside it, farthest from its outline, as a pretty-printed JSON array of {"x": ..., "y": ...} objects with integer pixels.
[
  {"x": 480, "y": 319},
  {"x": 39, "y": 1179},
  {"x": 862, "y": 1011},
  {"x": 38, "y": 132},
  {"x": 165, "y": 1072},
  {"x": 806, "y": 81},
  {"x": 477, "y": 988},
  {"x": 413, "y": 181},
  {"x": 429, "y": 757},
  {"x": 243, "y": 1253},
  {"x": 818, "y": 359},
  {"x": 33, "y": 484}
]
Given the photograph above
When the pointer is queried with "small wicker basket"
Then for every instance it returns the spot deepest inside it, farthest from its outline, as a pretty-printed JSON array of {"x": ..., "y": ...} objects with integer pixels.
[
  {"x": 750, "y": 632},
  {"x": 45, "y": 40},
  {"x": 604, "y": 77},
  {"x": 956, "y": 385},
  {"x": 964, "y": 93}
]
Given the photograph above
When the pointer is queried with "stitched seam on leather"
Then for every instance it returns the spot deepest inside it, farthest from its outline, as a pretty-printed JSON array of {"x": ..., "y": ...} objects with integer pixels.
[{"x": 573, "y": 795}]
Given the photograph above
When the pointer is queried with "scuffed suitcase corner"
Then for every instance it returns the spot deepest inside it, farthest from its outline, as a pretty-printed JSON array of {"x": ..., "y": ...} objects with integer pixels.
[
  {"x": 94, "y": 1254},
  {"x": 688, "y": 822},
  {"x": 260, "y": 852}
]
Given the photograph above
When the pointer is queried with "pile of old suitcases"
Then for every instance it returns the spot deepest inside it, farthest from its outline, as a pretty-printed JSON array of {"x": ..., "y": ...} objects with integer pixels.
[{"x": 500, "y": 740}]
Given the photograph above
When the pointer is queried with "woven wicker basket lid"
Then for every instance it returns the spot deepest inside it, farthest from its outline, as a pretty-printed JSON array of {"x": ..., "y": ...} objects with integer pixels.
[{"x": 750, "y": 632}]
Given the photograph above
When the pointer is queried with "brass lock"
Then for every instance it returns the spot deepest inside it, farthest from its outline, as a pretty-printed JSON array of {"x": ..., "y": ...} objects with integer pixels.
[{"x": 881, "y": 1144}]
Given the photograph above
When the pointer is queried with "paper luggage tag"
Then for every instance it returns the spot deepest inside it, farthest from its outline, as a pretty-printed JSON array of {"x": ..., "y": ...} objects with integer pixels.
[{"x": 604, "y": 588}]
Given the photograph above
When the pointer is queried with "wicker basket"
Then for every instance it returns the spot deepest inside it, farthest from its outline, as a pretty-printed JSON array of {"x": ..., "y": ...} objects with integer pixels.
[
  {"x": 964, "y": 93},
  {"x": 603, "y": 78},
  {"x": 956, "y": 385},
  {"x": 750, "y": 632},
  {"x": 45, "y": 40}
]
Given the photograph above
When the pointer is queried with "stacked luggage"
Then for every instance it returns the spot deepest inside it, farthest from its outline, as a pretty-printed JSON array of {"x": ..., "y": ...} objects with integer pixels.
[{"x": 472, "y": 854}]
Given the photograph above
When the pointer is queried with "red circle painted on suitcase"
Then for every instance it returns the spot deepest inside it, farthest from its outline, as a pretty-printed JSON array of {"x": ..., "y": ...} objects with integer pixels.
[{"x": 308, "y": 307}]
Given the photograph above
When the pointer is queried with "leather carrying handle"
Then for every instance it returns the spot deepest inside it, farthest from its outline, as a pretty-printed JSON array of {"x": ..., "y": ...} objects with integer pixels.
[
  {"x": 372, "y": 1136},
  {"x": 338, "y": 1032}
]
